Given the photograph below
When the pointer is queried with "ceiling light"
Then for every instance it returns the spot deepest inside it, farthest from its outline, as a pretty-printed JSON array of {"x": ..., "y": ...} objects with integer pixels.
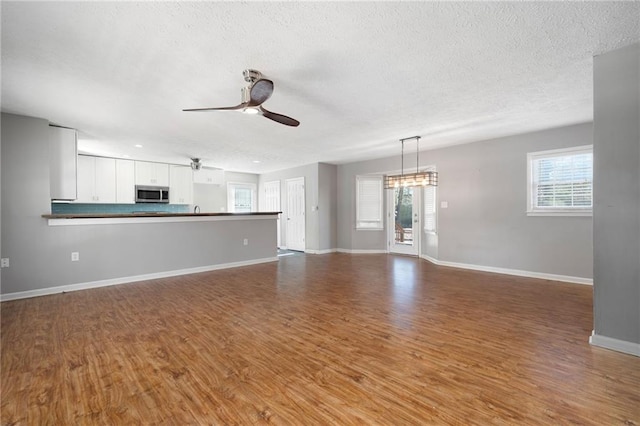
[
  {"x": 250, "y": 110},
  {"x": 138, "y": 145},
  {"x": 256, "y": 161},
  {"x": 412, "y": 179}
]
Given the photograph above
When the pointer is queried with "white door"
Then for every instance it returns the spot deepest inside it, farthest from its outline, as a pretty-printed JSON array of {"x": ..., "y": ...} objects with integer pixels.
[
  {"x": 404, "y": 220},
  {"x": 295, "y": 214},
  {"x": 272, "y": 202}
]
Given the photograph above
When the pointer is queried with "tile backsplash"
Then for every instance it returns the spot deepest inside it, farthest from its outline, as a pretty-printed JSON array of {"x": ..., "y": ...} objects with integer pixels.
[{"x": 73, "y": 208}]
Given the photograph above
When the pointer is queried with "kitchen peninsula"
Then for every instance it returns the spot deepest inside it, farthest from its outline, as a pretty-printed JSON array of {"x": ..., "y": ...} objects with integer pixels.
[
  {"x": 74, "y": 250},
  {"x": 95, "y": 250}
]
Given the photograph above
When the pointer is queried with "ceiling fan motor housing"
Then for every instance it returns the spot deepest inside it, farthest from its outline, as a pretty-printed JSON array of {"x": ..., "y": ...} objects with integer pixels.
[{"x": 251, "y": 76}]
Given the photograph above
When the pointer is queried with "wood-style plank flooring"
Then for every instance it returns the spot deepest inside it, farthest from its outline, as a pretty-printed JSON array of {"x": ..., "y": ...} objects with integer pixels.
[{"x": 316, "y": 339}]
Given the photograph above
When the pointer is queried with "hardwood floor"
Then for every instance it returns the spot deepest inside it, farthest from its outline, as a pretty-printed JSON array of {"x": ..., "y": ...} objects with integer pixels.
[{"x": 316, "y": 339}]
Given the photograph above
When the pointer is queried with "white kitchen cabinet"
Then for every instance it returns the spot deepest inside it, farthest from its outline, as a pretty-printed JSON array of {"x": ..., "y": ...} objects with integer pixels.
[
  {"x": 125, "y": 182},
  {"x": 180, "y": 185},
  {"x": 63, "y": 160},
  {"x": 209, "y": 176},
  {"x": 96, "y": 179},
  {"x": 152, "y": 174}
]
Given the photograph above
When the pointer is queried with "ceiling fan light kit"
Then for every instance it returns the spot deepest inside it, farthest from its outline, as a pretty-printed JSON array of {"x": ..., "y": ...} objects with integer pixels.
[
  {"x": 196, "y": 164},
  {"x": 253, "y": 96},
  {"x": 425, "y": 178}
]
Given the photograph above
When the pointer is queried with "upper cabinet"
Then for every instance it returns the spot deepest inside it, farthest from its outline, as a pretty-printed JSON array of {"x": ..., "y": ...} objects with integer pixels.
[
  {"x": 181, "y": 185},
  {"x": 125, "y": 182},
  {"x": 63, "y": 155},
  {"x": 209, "y": 176},
  {"x": 153, "y": 174},
  {"x": 96, "y": 179}
]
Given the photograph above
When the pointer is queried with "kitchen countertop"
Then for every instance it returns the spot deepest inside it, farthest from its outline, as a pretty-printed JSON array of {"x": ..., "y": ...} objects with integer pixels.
[
  {"x": 147, "y": 214},
  {"x": 142, "y": 218}
]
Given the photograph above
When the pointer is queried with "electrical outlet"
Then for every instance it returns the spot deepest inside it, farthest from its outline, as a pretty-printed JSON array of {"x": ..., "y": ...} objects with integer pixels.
[
  {"x": 246, "y": 242},
  {"x": 75, "y": 256},
  {"x": 5, "y": 262}
]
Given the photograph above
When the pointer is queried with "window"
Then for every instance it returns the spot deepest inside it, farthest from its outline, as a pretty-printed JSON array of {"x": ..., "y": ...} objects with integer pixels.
[
  {"x": 369, "y": 202},
  {"x": 241, "y": 197},
  {"x": 560, "y": 182},
  {"x": 430, "y": 208}
]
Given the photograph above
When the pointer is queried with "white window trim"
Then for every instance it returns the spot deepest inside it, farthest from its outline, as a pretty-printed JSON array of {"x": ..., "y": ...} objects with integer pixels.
[
  {"x": 533, "y": 211},
  {"x": 435, "y": 206},
  {"x": 231, "y": 201},
  {"x": 379, "y": 179}
]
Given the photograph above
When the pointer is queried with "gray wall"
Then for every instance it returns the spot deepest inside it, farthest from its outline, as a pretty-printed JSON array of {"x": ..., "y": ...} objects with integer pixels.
[
  {"x": 25, "y": 197},
  {"x": 485, "y": 185},
  {"x": 327, "y": 206},
  {"x": 348, "y": 237},
  {"x": 40, "y": 255},
  {"x": 617, "y": 194}
]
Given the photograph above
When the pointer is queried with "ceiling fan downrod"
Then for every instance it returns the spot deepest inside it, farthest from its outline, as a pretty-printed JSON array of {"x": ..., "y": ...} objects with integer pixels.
[{"x": 251, "y": 76}]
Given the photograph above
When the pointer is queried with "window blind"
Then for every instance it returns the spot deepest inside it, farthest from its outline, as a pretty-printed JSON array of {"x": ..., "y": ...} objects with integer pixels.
[
  {"x": 561, "y": 180},
  {"x": 369, "y": 202},
  {"x": 430, "y": 208}
]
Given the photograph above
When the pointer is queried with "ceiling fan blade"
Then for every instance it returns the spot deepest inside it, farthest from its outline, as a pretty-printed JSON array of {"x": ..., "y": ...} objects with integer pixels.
[
  {"x": 260, "y": 92},
  {"x": 282, "y": 119},
  {"x": 232, "y": 108}
]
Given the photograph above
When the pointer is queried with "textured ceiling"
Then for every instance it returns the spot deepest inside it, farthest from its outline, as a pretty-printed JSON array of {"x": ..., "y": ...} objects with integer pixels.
[{"x": 357, "y": 75}]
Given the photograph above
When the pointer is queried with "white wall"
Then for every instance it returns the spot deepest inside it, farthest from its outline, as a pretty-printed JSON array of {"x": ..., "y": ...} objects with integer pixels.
[
  {"x": 485, "y": 185},
  {"x": 213, "y": 198}
]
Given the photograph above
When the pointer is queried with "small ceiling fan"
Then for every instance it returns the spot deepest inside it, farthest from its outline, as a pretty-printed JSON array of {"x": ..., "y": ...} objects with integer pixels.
[{"x": 253, "y": 96}]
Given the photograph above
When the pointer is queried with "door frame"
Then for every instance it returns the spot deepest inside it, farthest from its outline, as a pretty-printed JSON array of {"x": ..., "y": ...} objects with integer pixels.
[{"x": 415, "y": 248}]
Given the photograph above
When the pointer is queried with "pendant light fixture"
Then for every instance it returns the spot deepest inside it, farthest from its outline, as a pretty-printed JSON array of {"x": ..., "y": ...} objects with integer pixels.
[{"x": 426, "y": 178}]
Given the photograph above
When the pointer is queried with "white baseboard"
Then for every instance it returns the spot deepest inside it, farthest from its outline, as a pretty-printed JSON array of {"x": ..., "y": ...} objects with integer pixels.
[
  {"x": 630, "y": 348},
  {"x": 516, "y": 272},
  {"x": 125, "y": 280},
  {"x": 325, "y": 251},
  {"x": 340, "y": 250}
]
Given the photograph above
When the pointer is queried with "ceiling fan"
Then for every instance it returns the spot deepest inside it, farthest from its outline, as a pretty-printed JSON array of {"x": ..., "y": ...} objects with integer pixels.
[{"x": 253, "y": 96}]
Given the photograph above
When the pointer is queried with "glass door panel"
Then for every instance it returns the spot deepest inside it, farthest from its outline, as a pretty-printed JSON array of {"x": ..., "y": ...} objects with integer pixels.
[{"x": 404, "y": 220}]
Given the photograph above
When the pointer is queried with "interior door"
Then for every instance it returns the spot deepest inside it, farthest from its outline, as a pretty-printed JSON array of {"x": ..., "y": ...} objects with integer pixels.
[
  {"x": 404, "y": 220},
  {"x": 272, "y": 203},
  {"x": 295, "y": 230}
]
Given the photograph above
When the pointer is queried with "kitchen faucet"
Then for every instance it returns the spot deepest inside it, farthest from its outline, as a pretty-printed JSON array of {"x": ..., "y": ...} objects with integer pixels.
[{"x": 196, "y": 209}]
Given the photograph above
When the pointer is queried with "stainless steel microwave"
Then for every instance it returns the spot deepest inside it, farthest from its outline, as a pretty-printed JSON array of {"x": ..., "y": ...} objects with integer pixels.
[{"x": 152, "y": 194}]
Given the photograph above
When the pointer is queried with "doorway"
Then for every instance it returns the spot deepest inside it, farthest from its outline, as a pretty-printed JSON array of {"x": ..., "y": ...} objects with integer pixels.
[
  {"x": 295, "y": 228},
  {"x": 403, "y": 215}
]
